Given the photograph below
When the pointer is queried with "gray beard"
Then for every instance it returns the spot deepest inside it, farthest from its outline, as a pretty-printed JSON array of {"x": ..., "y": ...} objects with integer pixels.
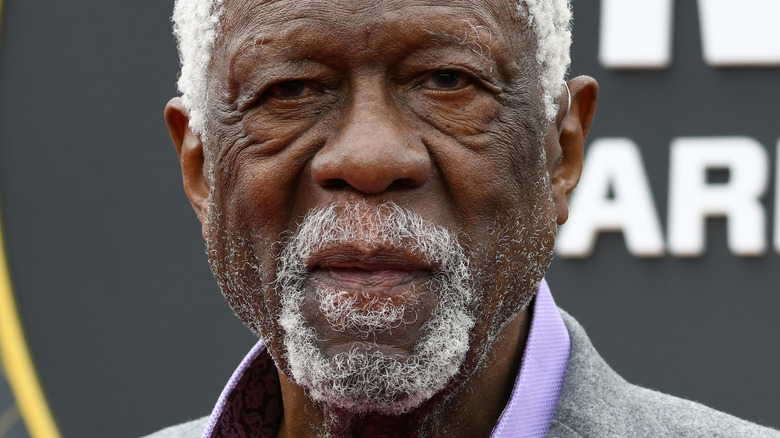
[{"x": 365, "y": 379}]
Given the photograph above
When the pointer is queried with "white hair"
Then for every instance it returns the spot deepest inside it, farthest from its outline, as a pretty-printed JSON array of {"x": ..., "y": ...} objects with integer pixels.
[
  {"x": 196, "y": 26},
  {"x": 551, "y": 21}
]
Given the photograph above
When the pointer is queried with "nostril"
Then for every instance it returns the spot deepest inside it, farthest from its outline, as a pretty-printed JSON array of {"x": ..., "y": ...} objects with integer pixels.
[
  {"x": 340, "y": 184},
  {"x": 402, "y": 183},
  {"x": 334, "y": 183}
]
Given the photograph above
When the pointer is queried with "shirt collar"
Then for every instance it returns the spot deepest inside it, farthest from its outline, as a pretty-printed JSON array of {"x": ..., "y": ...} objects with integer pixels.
[
  {"x": 251, "y": 403},
  {"x": 542, "y": 370}
]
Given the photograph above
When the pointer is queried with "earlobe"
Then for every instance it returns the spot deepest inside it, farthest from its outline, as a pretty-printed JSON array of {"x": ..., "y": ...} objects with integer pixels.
[
  {"x": 190, "y": 151},
  {"x": 573, "y": 131}
]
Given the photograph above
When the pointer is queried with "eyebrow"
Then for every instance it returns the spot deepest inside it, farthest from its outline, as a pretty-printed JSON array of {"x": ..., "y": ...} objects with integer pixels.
[{"x": 471, "y": 38}]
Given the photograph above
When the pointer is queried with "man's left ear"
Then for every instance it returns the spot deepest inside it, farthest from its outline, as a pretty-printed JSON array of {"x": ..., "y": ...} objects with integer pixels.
[{"x": 567, "y": 157}]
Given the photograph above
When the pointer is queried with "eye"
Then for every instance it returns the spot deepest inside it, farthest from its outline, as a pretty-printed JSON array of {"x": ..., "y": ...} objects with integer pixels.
[
  {"x": 289, "y": 90},
  {"x": 447, "y": 80}
]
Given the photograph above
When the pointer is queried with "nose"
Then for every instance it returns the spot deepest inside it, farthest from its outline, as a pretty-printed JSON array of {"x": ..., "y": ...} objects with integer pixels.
[{"x": 373, "y": 150}]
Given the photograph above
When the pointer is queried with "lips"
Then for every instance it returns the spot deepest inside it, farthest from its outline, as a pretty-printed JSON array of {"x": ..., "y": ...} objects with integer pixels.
[{"x": 368, "y": 271}]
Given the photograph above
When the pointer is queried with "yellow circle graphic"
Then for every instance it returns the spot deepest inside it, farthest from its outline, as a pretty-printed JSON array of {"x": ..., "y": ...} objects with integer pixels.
[{"x": 30, "y": 406}]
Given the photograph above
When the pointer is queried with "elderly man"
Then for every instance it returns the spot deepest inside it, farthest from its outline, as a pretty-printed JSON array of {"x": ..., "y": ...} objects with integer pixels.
[{"x": 380, "y": 184}]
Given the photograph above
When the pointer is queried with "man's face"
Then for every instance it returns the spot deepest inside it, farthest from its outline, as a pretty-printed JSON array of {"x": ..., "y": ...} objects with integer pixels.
[{"x": 380, "y": 204}]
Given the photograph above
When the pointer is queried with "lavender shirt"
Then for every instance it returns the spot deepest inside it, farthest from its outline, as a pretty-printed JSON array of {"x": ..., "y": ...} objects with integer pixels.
[{"x": 251, "y": 403}]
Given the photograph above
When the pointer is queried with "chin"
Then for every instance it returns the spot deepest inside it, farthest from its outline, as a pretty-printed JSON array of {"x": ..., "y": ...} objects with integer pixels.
[{"x": 364, "y": 375}]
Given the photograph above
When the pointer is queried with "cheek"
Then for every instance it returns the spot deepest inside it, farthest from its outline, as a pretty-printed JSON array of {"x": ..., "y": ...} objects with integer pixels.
[
  {"x": 468, "y": 114},
  {"x": 258, "y": 180},
  {"x": 243, "y": 251},
  {"x": 486, "y": 183},
  {"x": 260, "y": 199},
  {"x": 511, "y": 264},
  {"x": 269, "y": 132}
]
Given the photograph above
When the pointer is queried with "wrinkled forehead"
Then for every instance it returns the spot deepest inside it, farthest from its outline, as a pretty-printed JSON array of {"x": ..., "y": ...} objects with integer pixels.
[
  {"x": 244, "y": 11},
  {"x": 494, "y": 26}
]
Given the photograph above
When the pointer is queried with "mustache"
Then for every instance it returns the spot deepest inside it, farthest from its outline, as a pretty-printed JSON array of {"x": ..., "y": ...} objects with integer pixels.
[{"x": 363, "y": 233}]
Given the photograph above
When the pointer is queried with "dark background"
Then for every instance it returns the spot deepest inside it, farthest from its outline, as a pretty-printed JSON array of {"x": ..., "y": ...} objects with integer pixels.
[{"x": 127, "y": 328}]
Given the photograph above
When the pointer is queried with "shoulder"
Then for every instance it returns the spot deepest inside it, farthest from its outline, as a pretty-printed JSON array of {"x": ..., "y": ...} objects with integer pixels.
[
  {"x": 191, "y": 429},
  {"x": 596, "y": 402}
]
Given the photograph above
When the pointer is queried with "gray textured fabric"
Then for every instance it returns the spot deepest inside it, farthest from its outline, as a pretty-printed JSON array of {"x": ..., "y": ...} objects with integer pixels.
[
  {"x": 191, "y": 429},
  {"x": 597, "y": 403}
]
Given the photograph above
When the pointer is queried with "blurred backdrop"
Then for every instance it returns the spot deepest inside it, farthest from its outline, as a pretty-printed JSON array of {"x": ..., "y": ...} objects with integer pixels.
[{"x": 670, "y": 259}]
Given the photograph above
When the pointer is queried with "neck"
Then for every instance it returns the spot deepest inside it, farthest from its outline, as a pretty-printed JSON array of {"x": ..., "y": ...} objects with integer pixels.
[{"x": 470, "y": 407}]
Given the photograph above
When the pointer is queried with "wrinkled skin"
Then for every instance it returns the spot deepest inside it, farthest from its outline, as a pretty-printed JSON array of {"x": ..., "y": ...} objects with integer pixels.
[{"x": 433, "y": 105}]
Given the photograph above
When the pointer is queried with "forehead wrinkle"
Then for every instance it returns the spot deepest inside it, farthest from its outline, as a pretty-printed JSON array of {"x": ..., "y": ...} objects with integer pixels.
[
  {"x": 497, "y": 43},
  {"x": 242, "y": 13},
  {"x": 312, "y": 35}
]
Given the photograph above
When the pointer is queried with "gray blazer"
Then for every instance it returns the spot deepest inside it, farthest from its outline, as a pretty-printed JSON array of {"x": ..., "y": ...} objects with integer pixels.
[{"x": 597, "y": 403}]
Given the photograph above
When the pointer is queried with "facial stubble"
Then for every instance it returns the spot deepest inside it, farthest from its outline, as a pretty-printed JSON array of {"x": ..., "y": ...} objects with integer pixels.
[{"x": 365, "y": 378}]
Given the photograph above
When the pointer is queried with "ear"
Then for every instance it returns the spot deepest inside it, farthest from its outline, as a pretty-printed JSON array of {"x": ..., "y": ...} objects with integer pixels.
[
  {"x": 568, "y": 156},
  {"x": 190, "y": 150}
]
